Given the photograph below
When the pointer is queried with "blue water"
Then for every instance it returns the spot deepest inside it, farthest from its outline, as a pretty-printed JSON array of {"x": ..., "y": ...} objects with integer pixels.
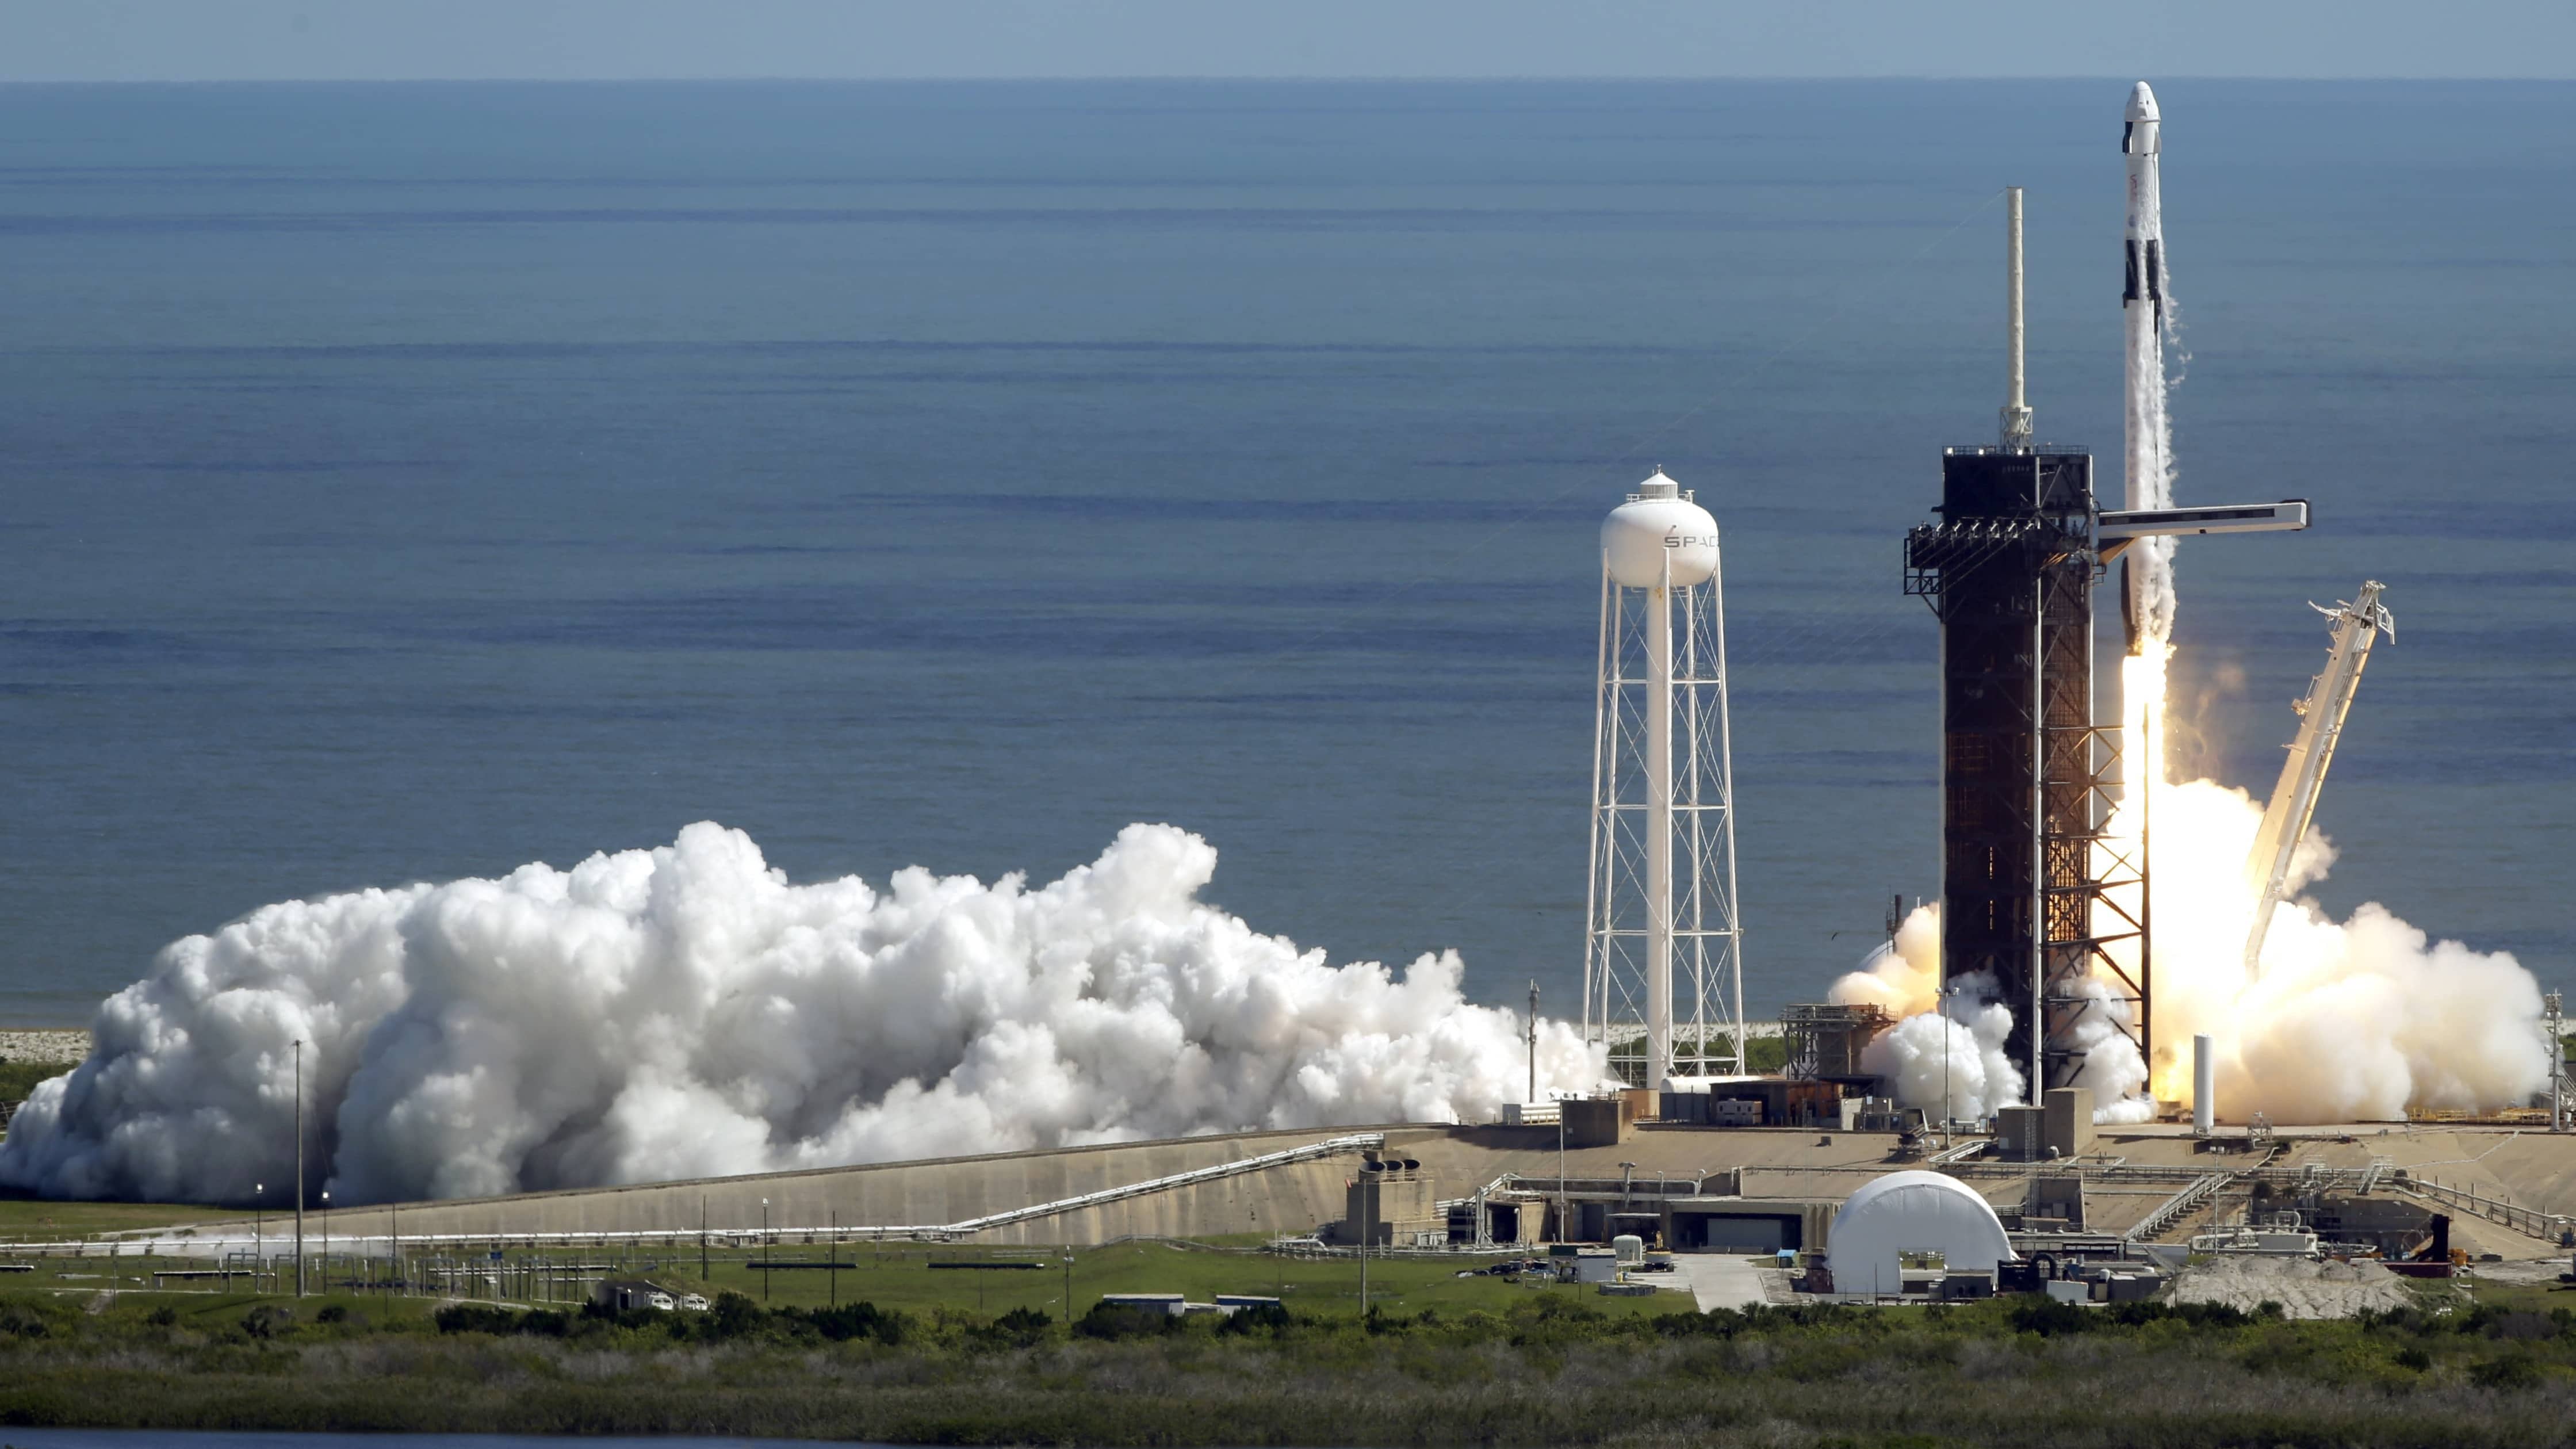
[{"x": 406, "y": 482}]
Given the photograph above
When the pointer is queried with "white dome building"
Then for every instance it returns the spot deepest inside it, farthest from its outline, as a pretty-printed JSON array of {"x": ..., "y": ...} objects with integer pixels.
[{"x": 1912, "y": 1212}]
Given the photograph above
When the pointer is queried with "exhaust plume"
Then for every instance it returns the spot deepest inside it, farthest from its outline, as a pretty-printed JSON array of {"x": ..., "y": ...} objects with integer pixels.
[
  {"x": 687, "y": 1011},
  {"x": 2349, "y": 1021}
]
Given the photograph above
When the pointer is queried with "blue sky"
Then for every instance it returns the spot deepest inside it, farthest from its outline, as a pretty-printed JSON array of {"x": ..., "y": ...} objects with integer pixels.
[{"x": 82, "y": 40}]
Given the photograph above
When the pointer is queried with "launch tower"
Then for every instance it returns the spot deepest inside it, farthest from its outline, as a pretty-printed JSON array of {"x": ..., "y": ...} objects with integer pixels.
[
  {"x": 2035, "y": 893},
  {"x": 2043, "y": 908}
]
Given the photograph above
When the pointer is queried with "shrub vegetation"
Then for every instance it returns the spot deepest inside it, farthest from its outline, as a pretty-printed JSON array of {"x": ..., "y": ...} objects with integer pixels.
[{"x": 1550, "y": 1370}]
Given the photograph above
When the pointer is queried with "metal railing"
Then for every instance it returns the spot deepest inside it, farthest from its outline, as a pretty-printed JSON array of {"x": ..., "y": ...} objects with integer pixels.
[
  {"x": 2548, "y": 1227},
  {"x": 2172, "y": 1209}
]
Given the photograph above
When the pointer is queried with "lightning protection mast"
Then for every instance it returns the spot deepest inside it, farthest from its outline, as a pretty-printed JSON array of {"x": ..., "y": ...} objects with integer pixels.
[{"x": 1663, "y": 968}]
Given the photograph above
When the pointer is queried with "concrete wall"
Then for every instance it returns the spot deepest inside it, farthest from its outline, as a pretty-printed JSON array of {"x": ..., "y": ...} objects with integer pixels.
[
  {"x": 2022, "y": 1132},
  {"x": 2070, "y": 1119},
  {"x": 1278, "y": 1201},
  {"x": 1599, "y": 1122}
]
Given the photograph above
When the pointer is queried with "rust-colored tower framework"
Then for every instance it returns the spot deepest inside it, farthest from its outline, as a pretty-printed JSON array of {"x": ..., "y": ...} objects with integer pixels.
[{"x": 2035, "y": 892}]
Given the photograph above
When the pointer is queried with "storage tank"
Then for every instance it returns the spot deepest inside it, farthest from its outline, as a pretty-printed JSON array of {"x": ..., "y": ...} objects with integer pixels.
[{"x": 2204, "y": 1087}]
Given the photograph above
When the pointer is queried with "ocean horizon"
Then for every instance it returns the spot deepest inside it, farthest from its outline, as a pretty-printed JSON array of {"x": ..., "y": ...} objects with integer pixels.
[{"x": 410, "y": 481}]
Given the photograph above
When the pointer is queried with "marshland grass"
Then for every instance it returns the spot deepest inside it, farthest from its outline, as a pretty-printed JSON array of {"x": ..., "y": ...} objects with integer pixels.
[{"x": 1547, "y": 1370}]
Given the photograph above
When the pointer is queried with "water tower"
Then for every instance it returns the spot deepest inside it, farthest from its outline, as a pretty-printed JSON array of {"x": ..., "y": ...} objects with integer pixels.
[{"x": 1663, "y": 971}]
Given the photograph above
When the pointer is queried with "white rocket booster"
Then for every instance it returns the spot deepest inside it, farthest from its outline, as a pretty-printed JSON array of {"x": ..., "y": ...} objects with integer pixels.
[
  {"x": 2146, "y": 576},
  {"x": 2142, "y": 141}
]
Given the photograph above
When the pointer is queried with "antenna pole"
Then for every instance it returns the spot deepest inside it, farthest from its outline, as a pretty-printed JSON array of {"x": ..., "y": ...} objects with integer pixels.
[
  {"x": 2016, "y": 415},
  {"x": 299, "y": 1167}
]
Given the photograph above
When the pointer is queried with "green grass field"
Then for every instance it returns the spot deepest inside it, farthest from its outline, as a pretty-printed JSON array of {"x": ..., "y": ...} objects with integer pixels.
[
  {"x": 25, "y": 1219},
  {"x": 903, "y": 1278},
  {"x": 896, "y": 1276}
]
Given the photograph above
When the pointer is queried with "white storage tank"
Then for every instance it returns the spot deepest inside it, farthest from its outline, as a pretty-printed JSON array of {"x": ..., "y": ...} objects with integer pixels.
[{"x": 1657, "y": 530}]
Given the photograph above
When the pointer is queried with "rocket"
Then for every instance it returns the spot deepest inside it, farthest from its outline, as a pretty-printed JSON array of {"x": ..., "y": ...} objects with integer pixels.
[
  {"x": 2145, "y": 594},
  {"x": 2142, "y": 143}
]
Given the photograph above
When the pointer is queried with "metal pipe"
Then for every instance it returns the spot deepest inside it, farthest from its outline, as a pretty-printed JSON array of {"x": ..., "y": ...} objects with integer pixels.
[
  {"x": 2153, "y": 766},
  {"x": 1726, "y": 781},
  {"x": 1596, "y": 955},
  {"x": 1659, "y": 830},
  {"x": 299, "y": 1169},
  {"x": 1691, "y": 914},
  {"x": 2016, "y": 414},
  {"x": 2039, "y": 1023}
]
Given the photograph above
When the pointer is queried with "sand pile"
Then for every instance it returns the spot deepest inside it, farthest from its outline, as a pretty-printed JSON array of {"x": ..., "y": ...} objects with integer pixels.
[{"x": 2302, "y": 1288}]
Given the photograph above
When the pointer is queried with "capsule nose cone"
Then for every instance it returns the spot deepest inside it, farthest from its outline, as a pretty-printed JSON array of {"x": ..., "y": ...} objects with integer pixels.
[{"x": 2142, "y": 103}]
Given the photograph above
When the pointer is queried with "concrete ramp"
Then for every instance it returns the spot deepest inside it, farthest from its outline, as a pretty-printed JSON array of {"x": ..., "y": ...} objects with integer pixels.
[{"x": 1720, "y": 1281}]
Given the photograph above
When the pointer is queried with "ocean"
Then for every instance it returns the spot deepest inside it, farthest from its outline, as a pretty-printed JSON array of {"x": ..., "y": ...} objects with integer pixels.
[{"x": 410, "y": 481}]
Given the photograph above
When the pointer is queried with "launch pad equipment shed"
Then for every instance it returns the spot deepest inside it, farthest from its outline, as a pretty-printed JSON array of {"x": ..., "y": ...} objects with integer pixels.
[
  {"x": 1389, "y": 1202},
  {"x": 1825, "y": 1042},
  {"x": 1745, "y": 1225}
]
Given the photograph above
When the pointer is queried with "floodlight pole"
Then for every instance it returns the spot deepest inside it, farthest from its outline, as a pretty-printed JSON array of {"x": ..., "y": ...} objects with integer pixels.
[
  {"x": 1364, "y": 1247},
  {"x": 1948, "y": 1113},
  {"x": 299, "y": 1167},
  {"x": 1564, "y": 1226}
]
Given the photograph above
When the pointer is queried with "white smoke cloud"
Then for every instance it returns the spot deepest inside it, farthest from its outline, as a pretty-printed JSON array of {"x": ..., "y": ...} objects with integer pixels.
[
  {"x": 1925, "y": 1056},
  {"x": 687, "y": 1011},
  {"x": 2347, "y": 1021},
  {"x": 1903, "y": 977},
  {"x": 2342, "y": 1021}
]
